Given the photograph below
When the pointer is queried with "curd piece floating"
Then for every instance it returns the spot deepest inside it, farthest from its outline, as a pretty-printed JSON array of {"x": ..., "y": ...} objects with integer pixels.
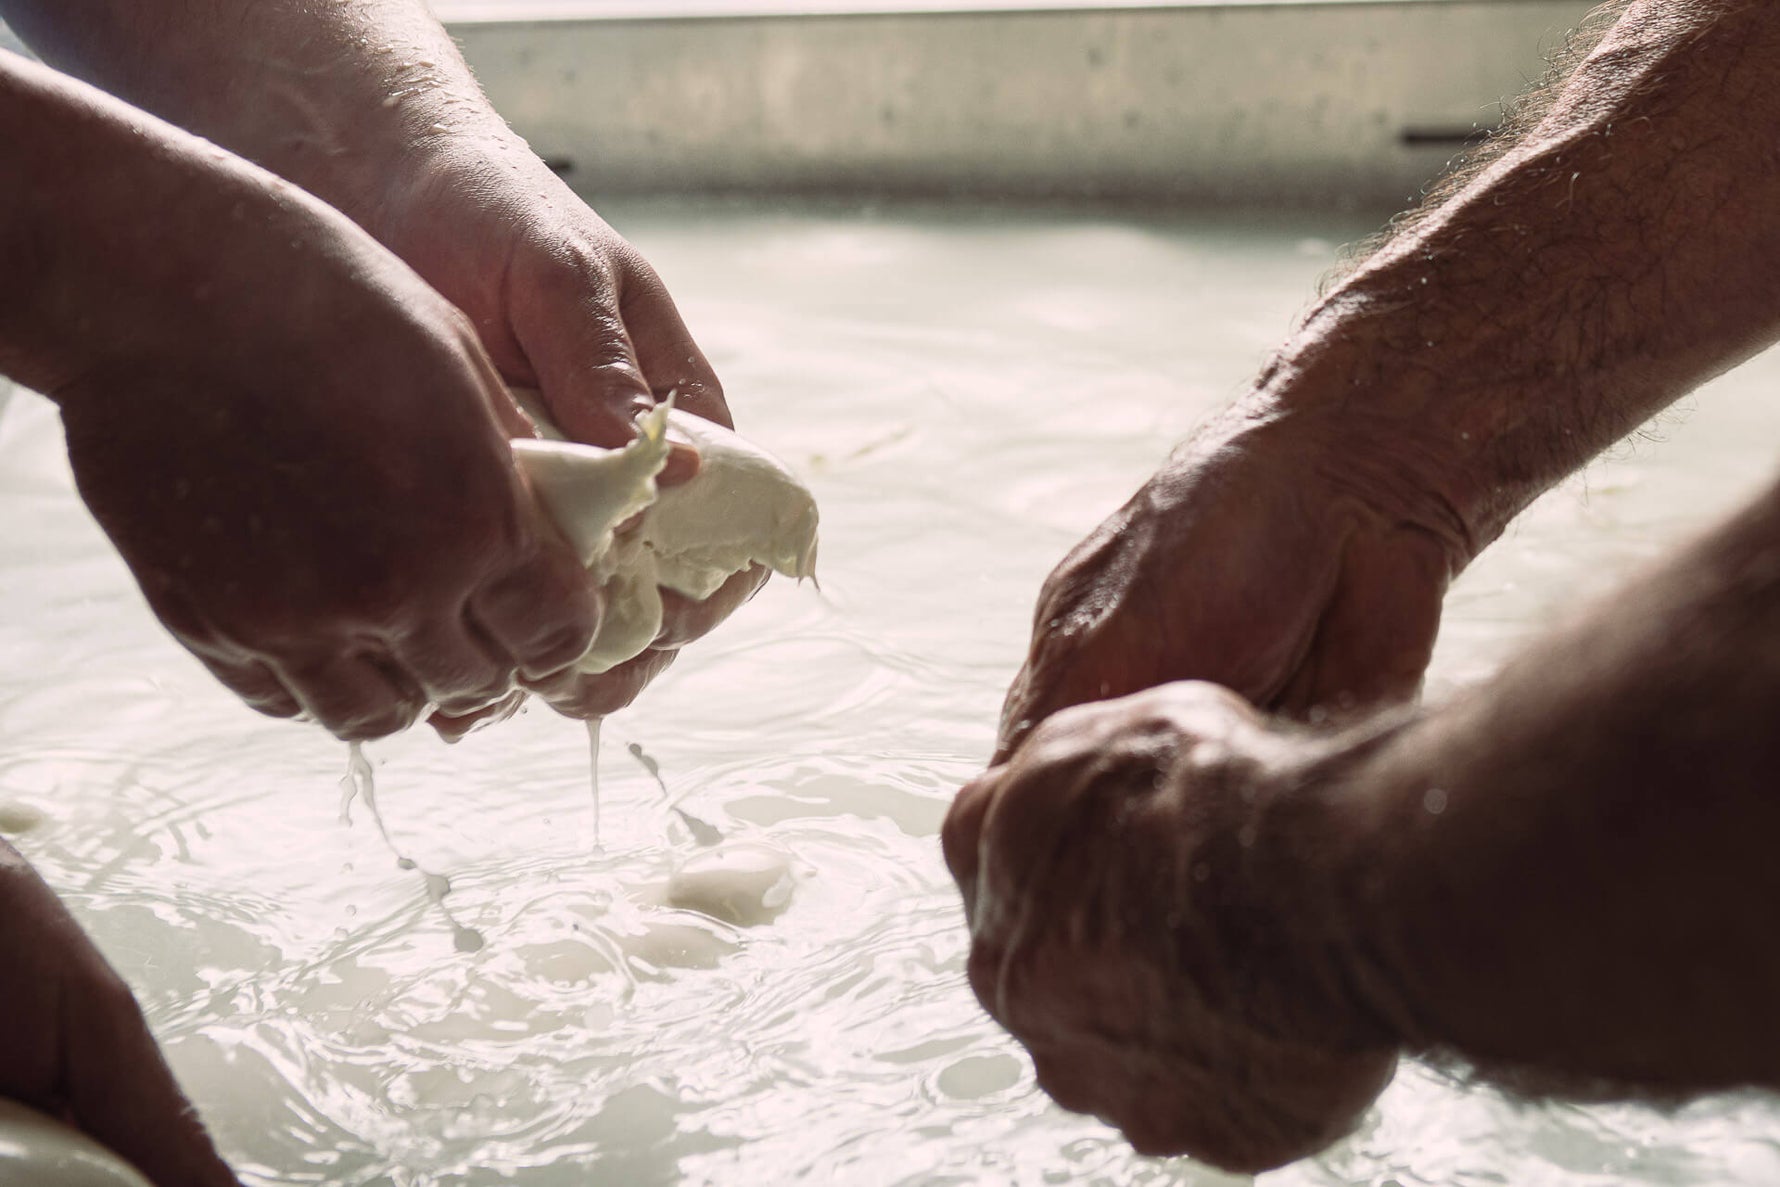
[
  {"x": 745, "y": 883},
  {"x": 39, "y": 1151},
  {"x": 742, "y": 508}
]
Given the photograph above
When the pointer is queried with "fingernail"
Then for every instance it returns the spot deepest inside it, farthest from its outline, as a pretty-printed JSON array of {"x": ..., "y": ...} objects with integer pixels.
[{"x": 683, "y": 463}]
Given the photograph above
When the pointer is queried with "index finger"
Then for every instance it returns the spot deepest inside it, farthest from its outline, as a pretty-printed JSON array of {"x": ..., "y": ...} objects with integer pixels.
[{"x": 665, "y": 350}]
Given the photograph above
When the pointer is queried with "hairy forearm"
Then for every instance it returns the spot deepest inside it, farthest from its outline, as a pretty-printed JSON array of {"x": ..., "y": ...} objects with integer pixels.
[
  {"x": 1567, "y": 877},
  {"x": 321, "y": 93},
  {"x": 1617, "y": 254},
  {"x": 123, "y": 236}
]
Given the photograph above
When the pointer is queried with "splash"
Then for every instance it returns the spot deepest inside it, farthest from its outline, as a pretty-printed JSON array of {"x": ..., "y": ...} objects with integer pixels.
[
  {"x": 360, "y": 782},
  {"x": 702, "y": 833},
  {"x": 593, "y": 761}
]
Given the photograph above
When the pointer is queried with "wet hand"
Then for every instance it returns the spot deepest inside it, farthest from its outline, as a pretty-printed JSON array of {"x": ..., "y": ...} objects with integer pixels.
[
  {"x": 564, "y": 305},
  {"x": 73, "y": 1043},
  {"x": 1144, "y": 921},
  {"x": 302, "y": 453},
  {"x": 1263, "y": 557}
]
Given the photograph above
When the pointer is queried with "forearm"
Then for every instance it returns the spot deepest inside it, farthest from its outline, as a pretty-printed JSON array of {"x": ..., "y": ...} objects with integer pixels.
[
  {"x": 80, "y": 291},
  {"x": 321, "y": 94},
  {"x": 1617, "y": 254},
  {"x": 126, "y": 241},
  {"x": 1567, "y": 877}
]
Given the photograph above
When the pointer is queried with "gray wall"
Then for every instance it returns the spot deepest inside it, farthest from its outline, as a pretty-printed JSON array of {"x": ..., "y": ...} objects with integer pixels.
[
  {"x": 1329, "y": 103},
  {"x": 1318, "y": 104}
]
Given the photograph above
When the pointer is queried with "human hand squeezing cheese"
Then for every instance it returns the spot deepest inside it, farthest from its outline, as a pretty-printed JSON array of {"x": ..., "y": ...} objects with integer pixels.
[{"x": 703, "y": 546}]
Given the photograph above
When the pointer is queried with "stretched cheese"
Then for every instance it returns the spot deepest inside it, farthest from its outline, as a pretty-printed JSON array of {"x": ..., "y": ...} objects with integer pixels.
[{"x": 743, "y": 508}]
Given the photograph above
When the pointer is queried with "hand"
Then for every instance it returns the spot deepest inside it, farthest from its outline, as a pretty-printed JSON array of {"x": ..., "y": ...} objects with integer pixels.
[
  {"x": 1269, "y": 556},
  {"x": 1146, "y": 917},
  {"x": 564, "y": 305},
  {"x": 73, "y": 1042},
  {"x": 302, "y": 453}
]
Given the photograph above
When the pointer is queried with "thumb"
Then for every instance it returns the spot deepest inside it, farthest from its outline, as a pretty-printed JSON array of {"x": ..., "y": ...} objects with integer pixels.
[
  {"x": 1377, "y": 635},
  {"x": 589, "y": 377}
]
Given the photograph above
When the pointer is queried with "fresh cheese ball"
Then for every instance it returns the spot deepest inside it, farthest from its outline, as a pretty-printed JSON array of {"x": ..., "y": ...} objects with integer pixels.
[{"x": 743, "y": 508}]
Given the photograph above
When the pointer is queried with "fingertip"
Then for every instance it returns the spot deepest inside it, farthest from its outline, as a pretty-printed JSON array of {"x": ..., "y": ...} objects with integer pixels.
[
  {"x": 683, "y": 463},
  {"x": 453, "y": 728},
  {"x": 605, "y": 418},
  {"x": 666, "y": 351},
  {"x": 702, "y": 397}
]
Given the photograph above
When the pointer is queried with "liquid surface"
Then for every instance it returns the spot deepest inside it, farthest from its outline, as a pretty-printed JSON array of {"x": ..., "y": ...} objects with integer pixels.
[{"x": 966, "y": 395}]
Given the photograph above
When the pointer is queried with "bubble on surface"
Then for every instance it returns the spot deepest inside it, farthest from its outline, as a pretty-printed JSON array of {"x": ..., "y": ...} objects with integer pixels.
[
  {"x": 978, "y": 1076},
  {"x": 18, "y": 817}
]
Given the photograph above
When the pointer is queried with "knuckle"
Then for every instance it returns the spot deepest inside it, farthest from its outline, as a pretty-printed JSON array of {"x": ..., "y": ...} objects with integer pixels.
[
  {"x": 556, "y": 648},
  {"x": 464, "y": 697},
  {"x": 573, "y": 270},
  {"x": 960, "y": 834},
  {"x": 371, "y": 724}
]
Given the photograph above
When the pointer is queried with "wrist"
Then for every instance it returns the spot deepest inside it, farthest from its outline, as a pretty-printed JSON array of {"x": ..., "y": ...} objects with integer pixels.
[
  {"x": 1430, "y": 442},
  {"x": 333, "y": 98},
  {"x": 1369, "y": 464},
  {"x": 429, "y": 171},
  {"x": 363, "y": 145},
  {"x": 1309, "y": 860}
]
